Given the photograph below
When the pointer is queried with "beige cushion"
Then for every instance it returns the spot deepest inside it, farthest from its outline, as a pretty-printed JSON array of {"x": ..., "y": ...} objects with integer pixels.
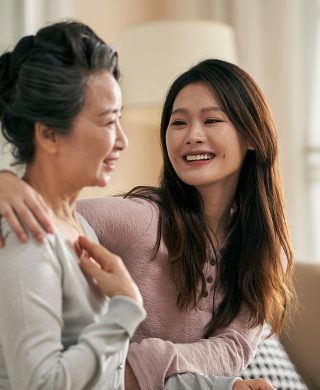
[
  {"x": 302, "y": 336},
  {"x": 272, "y": 362}
]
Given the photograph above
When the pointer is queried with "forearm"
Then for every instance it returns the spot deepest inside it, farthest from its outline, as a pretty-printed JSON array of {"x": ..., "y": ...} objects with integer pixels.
[{"x": 153, "y": 360}]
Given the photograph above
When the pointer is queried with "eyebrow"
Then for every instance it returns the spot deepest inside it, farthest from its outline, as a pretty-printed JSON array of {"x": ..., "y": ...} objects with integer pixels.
[
  {"x": 110, "y": 111},
  {"x": 205, "y": 109}
]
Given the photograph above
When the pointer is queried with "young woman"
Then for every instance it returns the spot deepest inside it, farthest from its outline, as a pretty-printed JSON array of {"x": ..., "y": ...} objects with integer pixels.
[
  {"x": 60, "y": 104},
  {"x": 221, "y": 265},
  {"x": 209, "y": 247}
]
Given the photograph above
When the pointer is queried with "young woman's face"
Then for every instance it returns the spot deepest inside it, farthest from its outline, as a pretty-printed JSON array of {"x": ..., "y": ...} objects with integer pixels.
[
  {"x": 93, "y": 147},
  {"x": 203, "y": 146}
]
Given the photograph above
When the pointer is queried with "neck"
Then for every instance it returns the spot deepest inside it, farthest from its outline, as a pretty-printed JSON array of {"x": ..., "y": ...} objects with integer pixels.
[
  {"x": 57, "y": 194},
  {"x": 217, "y": 205}
]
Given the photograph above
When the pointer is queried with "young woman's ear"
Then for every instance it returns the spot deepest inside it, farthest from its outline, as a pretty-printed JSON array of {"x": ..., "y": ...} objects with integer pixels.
[{"x": 46, "y": 138}]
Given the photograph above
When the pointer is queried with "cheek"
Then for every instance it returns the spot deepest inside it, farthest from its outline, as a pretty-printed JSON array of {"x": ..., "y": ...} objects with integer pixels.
[
  {"x": 171, "y": 143},
  {"x": 102, "y": 144},
  {"x": 242, "y": 148},
  {"x": 236, "y": 147},
  {"x": 109, "y": 141},
  {"x": 168, "y": 145}
]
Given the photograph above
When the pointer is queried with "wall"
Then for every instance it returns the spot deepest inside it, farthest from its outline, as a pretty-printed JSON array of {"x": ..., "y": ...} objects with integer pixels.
[
  {"x": 277, "y": 59},
  {"x": 141, "y": 162},
  {"x": 271, "y": 55},
  {"x": 22, "y": 17}
]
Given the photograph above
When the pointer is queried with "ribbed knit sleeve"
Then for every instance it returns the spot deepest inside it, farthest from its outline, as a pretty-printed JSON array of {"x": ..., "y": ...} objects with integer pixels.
[{"x": 225, "y": 354}]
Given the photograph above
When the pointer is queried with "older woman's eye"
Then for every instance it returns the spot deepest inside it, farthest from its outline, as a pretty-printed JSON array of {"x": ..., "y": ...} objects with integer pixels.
[{"x": 109, "y": 124}]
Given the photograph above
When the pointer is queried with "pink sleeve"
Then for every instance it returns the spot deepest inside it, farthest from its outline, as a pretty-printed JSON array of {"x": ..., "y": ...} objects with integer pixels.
[
  {"x": 117, "y": 222},
  {"x": 225, "y": 354}
]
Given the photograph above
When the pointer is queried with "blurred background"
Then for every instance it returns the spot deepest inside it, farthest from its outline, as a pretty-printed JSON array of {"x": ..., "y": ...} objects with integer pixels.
[{"x": 276, "y": 41}]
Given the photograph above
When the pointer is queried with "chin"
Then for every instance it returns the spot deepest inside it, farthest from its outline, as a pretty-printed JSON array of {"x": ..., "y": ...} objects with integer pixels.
[
  {"x": 193, "y": 181},
  {"x": 98, "y": 181},
  {"x": 103, "y": 181}
]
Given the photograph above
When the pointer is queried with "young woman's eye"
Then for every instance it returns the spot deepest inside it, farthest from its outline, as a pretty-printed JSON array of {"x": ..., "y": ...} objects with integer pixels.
[
  {"x": 178, "y": 123},
  {"x": 212, "y": 121}
]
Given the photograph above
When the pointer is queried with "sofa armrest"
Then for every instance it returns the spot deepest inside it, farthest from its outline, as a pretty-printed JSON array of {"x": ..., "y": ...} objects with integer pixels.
[{"x": 301, "y": 336}]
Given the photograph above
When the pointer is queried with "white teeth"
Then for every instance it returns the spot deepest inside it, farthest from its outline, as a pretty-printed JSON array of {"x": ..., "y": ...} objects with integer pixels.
[{"x": 197, "y": 157}]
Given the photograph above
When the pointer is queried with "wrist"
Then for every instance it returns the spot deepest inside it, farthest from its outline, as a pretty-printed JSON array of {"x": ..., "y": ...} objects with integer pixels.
[
  {"x": 131, "y": 382},
  {"x": 236, "y": 383}
]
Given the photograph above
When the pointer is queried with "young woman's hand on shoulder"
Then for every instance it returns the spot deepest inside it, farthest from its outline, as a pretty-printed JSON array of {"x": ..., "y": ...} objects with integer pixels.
[
  {"x": 19, "y": 201},
  {"x": 108, "y": 271}
]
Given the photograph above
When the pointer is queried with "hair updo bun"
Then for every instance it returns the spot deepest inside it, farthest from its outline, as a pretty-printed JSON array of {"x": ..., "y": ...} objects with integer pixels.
[{"x": 43, "y": 79}]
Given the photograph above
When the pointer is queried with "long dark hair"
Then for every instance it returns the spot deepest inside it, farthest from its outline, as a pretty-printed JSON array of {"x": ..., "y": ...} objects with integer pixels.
[
  {"x": 256, "y": 262},
  {"x": 44, "y": 78}
]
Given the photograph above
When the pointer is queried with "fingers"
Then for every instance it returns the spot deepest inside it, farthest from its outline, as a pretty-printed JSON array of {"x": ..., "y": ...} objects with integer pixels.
[
  {"x": 264, "y": 384},
  {"x": 253, "y": 384},
  {"x": 92, "y": 268},
  {"x": 41, "y": 212},
  {"x": 35, "y": 214},
  {"x": 11, "y": 218},
  {"x": 100, "y": 254},
  {"x": 1, "y": 236},
  {"x": 19, "y": 202},
  {"x": 108, "y": 271}
]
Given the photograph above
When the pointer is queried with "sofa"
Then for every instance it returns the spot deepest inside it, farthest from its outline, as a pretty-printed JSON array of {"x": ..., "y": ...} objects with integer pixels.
[
  {"x": 291, "y": 362},
  {"x": 301, "y": 336}
]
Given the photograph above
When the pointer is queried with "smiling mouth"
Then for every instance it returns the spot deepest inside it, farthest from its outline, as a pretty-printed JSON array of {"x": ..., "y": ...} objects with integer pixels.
[
  {"x": 199, "y": 157},
  {"x": 109, "y": 164}
]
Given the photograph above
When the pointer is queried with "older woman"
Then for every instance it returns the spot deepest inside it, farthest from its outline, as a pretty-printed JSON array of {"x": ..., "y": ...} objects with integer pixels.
[{"x": 60, "y": 107}]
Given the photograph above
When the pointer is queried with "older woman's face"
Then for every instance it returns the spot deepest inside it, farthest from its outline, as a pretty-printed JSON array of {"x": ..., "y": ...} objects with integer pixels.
[{"x": 91, "y": 150}]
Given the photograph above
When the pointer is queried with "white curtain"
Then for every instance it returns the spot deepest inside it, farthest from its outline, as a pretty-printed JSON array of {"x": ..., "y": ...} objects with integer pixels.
[
  {"x": 313, "y": 144},
  {"x": 276, "y": 42},
  {"x": 22, "y": 17}
]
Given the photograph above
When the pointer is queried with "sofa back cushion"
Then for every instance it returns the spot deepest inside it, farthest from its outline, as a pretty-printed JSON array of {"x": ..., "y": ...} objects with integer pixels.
[
  {"x": 301, "y": 336},
  {"x": 273, "y": 363}
]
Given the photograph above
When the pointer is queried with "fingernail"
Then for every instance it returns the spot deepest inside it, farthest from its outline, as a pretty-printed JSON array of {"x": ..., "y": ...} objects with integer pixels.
[
  {"x": 84, "y": 255},
  {"x": 49, "y": 229},
  {"x": 23, "y": 237},
  {"x": 39, "y": 238},
  {"x": 84, "y": 261}
]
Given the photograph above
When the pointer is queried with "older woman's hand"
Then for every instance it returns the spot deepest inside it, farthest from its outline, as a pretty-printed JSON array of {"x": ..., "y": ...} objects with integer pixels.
[
  {"x": 253, "y": 384},
  {"x": 107, "y": 270}
]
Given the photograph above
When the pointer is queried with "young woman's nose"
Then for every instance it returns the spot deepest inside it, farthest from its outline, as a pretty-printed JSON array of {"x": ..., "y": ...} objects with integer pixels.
[{"x": 195, "y": 134}]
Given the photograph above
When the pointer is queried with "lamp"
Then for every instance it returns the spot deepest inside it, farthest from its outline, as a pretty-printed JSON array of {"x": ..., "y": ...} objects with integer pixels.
[{"x": 153, "y": 54}]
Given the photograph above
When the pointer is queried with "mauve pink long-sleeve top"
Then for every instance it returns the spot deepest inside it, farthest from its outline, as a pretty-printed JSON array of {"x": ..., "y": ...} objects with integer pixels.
[{"x": 168, "y": 341}]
